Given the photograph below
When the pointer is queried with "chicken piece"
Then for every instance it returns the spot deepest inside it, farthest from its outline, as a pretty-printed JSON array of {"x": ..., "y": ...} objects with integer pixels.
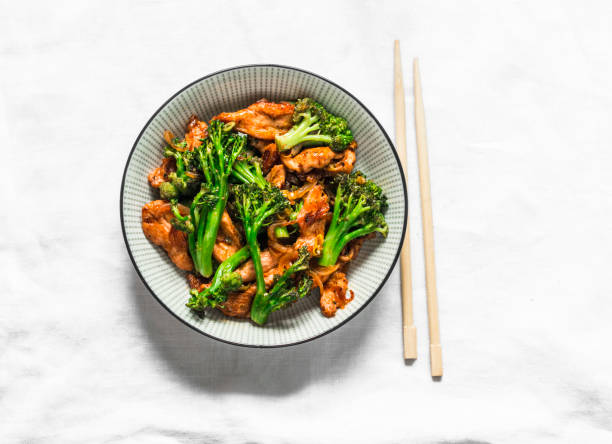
[
  {"x": 344, "y": 165},
  {"x": 156, "y": 217},
  {"x": 276, "y": 176},
  {"x": 228, "y": 239},
  {"x": 262, "y": 120},
  {"x": 238, "y": 304},
  {"x": 229, "y": 230},
  {"x": 223, "y": 250},
  {"x": 269, "y": 157},
  {"x": 351, "y": 250},
  {"x": 197, "y": 282},
  {"x": 312, "y": 238},
  {"x": 334, "y": 294},
  {"x": 268, "y": 262},
  {"x": 160, "y": 174},
  {"x": 259, "y": 144},
  {"x": 309, "y": 159},
  {"x": 268, "y": 151},
  {"x": 323, "y": 273},
  {"x": 196, "y": 130},
  {"x": 312, "y": 219}
]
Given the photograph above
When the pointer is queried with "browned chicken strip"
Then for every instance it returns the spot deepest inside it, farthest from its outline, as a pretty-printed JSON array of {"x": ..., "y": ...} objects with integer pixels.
[
  {"x": 228, "y": 239},
  {"x": 238, "y": 304},
  {"x": 269, "y": 157},
  {"x": 160, "y": 174},
  {"x": 223, "y": 250},
  {"x": 351, "y": 250},
  {"x": 311, "y": 220},
  {"x": 196, "y": 282},
  {"x": 334, "y": 294},
  {"x": 260, "y": 145},
  {"x": 344, "y": 165},
  {"x": 229, "y": 230},
  {"x": 309, "y": 159},
  {"x": 276, "y": 176},
  {"x": 268, "y": 262},
  {"x": 196, "y": 130},
  {"x": 156, "y": 217},
  {"x": 262, "y": 120}
]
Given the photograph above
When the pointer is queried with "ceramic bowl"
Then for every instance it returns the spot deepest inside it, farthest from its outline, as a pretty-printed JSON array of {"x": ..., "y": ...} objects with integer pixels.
[{"x": 230, "y": 90}]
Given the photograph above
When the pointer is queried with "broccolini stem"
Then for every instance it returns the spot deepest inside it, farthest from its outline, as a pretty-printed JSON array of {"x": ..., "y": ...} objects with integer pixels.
[
  {"x": 192, "y": 248},
  {"x": 204, "y": 164},
  {"x": 281, "y": 232},
  {"x": 295, "y": 135},
  {"x": 256, "y": 256},
  {"x": 209, "y": 236},
  {"x": 353, "y": 235},
  {"x": 176, "y": 212},
  {"x": 198, "y": 243},
  {"x": 243, "y": 173},
  {"x": 260, "y": 310},
  {"x": 328, "y": 253}
]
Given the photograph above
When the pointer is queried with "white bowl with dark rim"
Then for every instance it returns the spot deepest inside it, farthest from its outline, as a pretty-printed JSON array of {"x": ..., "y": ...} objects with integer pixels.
[{"x": 230, "y": 90}]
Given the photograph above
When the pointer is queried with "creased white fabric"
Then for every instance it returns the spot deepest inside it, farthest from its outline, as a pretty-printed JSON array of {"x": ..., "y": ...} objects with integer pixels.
[{"x": 518, "y": 99}]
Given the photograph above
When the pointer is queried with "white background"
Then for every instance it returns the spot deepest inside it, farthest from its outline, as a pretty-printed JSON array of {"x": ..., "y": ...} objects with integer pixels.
[{"x": 518, "y": 98}]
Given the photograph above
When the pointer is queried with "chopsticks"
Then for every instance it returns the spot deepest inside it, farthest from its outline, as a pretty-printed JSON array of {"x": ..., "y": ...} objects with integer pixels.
[
  {"x": 435, "y": 348},
  {"x": 408, "y": 327}
]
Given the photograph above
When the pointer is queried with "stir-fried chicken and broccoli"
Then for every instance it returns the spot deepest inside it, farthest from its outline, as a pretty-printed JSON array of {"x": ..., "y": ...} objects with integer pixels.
[{"x": 260, "y": 206}]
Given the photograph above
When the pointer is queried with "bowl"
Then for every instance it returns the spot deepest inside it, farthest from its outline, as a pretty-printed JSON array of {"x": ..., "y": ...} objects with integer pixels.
[{"x": 233, "y": 89}]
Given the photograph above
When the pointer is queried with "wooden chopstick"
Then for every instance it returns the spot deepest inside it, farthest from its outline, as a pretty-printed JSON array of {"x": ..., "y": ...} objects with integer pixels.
[
  {"x": 435, "y": 348},
  {"x": 408, "y": 327}
]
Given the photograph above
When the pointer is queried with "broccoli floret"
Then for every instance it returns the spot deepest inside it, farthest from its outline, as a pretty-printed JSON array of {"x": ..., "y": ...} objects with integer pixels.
[
  {"x": 183, "y": 182},
  {"x": 313, "y": 124},
  {"x": 223, "y": 282},
  {"x": 256, "y": 207},
  {"x": 248, "y": 170},
  {"x": 358, "y": 210},
  {"x": 167, "y": 191},
  {"x": 289, "y": 288},
  {"x": 231, "y": 281}
]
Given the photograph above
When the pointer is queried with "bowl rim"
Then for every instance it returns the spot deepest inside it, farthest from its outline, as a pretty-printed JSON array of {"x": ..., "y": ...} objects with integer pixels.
[{"x": 397, "y": 160}]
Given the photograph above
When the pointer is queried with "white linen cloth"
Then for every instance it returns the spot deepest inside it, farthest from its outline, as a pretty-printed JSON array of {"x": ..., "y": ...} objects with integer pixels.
[{"x": 518, "y": 100}]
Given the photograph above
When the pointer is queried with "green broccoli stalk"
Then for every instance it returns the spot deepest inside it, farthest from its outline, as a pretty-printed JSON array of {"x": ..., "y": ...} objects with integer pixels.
[
  {"x": 194, "y": 223},
  {"x": 358, "y": 210},
  {"x": 248, "y": 170},
  {"x": 185, "y": 180},
  {"x": 281, "y": 232},
  {"x": 314, "y": 125},
  {"x": 256, "y": 207},
  {"x": 286, "y": 290},
  {"x": 225, "y": 280},
  {"x": 216, "y": 157}
]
